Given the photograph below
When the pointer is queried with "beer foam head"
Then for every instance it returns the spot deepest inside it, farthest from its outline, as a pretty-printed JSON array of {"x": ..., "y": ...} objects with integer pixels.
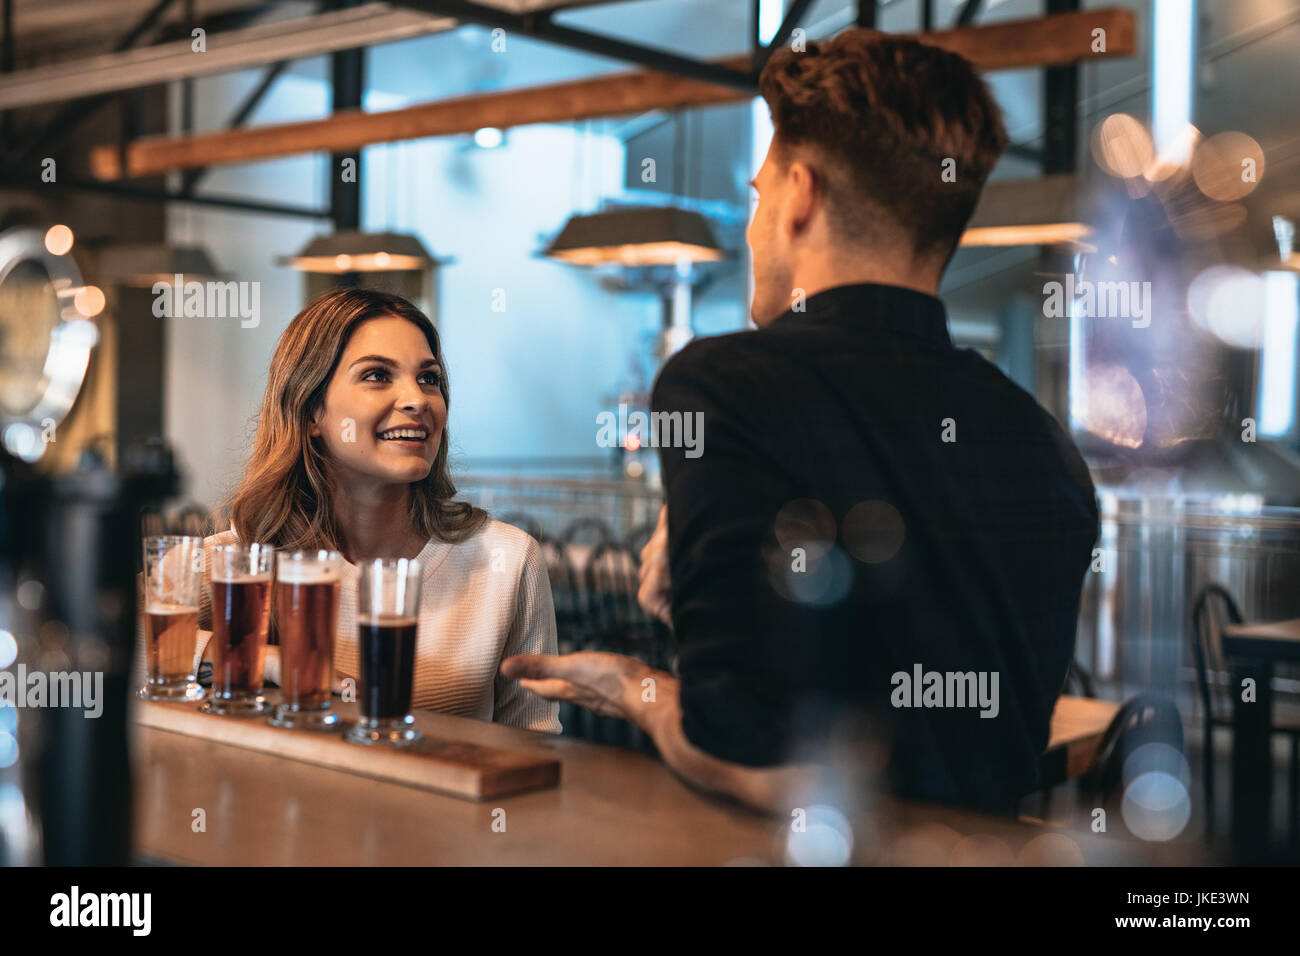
[
  {"x": 226, "y": 576},
  {"x": 387, "y": 620},
  {"x": 162, "y": 607},
  {"x": 304, "y": 572}
]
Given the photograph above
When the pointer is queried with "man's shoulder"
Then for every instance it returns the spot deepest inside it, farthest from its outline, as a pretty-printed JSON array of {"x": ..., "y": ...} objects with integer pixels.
[
  {"x": 712, "y": 351},
  {"x": 710, "y": 361}
]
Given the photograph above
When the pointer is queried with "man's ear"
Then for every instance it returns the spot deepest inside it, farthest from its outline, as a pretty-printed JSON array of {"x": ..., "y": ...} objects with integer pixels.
[{"x": 802, "y": 197}]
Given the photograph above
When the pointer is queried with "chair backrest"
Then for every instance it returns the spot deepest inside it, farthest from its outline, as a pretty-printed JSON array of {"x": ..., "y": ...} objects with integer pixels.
[
  {"x": 1079, "y": 681},
  {"x": 639, "y": 537},
  {"x": 615, "y": 620},
  {"x": 1213, "y": 609},
  {"x": 152, "y": 523},
  {"x": 565, "y": 593},
  {"x": 190, "y": 518},
  {"x": 610, "y": 580},
  {"x": 193, "y": 519},
  {"x": 587, "y": 530},
  {"x": 1145, "y": 719}
]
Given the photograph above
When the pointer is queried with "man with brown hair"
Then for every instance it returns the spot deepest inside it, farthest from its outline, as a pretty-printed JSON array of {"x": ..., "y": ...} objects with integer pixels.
[{"x": 882, "y": 530}]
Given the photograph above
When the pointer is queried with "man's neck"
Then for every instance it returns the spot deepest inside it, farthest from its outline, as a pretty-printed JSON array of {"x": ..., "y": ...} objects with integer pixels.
[{"x": 819, "y": 275}]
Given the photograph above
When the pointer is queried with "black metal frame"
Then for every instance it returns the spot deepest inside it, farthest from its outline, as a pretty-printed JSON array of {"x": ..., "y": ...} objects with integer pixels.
[
  {"x": 969, "y": 12},
  {"x": 1060, "y": 99},
  {"x": 146, "y": 194},
  {"x": 541, "y": 25},
  {"x": 238, "y": 118},
  {"x": 7, "y": 62},
  {"x": 1060, "y": 106}
]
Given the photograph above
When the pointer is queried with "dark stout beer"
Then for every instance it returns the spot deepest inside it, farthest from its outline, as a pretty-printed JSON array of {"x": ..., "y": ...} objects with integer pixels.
[
  {"x": 241, "y": 611},
  {"x": 387, "y": 651}
]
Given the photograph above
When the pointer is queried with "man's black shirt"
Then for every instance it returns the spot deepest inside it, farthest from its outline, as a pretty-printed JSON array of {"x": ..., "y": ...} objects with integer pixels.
[{"x": 868, "y": 500}]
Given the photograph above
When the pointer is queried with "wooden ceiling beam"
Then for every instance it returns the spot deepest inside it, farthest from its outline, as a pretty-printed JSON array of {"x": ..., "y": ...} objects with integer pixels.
[{"x": 1049, "y": 41}]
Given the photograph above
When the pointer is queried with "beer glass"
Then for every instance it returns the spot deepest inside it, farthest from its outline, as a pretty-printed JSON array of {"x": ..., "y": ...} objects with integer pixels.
[
  {"x": 306, "y": 618},
  {"x": 173, "y": 576},
  {"x": 388, "y": 608},
  {"x": 241, "y": 614}
]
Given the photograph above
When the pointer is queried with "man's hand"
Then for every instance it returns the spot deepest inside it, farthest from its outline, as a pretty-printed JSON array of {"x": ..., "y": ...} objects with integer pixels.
[
  {"x": 611, "y": 684},
  {"x": 606, "y": 684},
  {"x": 653, "y": 594}
]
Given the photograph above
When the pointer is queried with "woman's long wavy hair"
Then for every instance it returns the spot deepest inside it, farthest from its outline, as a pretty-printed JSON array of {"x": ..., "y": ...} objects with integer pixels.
[{"x": 286, "y": 497}]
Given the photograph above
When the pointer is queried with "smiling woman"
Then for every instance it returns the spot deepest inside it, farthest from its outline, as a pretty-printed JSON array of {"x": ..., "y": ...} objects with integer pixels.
[{"x": 351, "y": 456}]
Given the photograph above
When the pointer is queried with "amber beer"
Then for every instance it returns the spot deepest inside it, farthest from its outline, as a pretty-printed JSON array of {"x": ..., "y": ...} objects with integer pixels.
[
  {"x": 388, "y": 607},
  {"x": 241, "y": 614},
  {"x": 306, "y": 619},
  {"x": 173, "y": 576}
]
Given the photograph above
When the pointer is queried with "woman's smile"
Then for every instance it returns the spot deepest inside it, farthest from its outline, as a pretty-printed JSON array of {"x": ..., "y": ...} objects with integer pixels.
[{"x": 406, "y": 437}]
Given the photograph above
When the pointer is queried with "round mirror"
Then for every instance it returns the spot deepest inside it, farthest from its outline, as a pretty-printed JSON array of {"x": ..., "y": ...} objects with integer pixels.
[{"x": 45, "y": 341}]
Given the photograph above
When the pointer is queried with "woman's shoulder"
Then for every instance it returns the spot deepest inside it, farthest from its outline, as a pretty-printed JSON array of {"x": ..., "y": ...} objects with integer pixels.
[
  {"x": 498, "y": 534},
  {"x": 220, "y": 538},
  {"x": 501, "y": 546}
]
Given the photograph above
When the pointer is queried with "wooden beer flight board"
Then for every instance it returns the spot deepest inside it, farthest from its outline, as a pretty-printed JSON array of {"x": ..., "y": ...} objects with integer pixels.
[{"x": 458, "y": 769}]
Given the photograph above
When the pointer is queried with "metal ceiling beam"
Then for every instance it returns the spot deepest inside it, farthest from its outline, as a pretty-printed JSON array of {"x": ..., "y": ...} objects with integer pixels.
[
  {"x": 226, "y": 51},
  {"x": 788, "y": 23},
  {"x": 7, "y": 63},
  {"x": 1061, "y": 107},
  {"x": 238, "y": 118},
  {"x": 73, "y": 113},
  {"x": 124, "y": 191},
  {"x": 969, "y": 12},
  {"x": 540, "y": 26}
]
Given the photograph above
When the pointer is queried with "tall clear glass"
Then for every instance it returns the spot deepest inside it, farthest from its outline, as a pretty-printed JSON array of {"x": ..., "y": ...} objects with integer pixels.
[
  {"x": 241, "y": 614},
  {"x": 306, "y": 618},
  {"x": 173, "y": 578},
  {"x": 388, "y": 613}
]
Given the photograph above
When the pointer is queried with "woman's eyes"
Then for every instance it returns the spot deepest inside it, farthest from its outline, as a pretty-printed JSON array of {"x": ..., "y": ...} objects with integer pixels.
[{"x": 429, "y": 378}]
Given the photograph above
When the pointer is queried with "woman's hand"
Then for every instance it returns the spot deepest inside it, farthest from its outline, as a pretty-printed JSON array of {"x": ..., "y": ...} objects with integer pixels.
[{"x": 653, "y": 594}]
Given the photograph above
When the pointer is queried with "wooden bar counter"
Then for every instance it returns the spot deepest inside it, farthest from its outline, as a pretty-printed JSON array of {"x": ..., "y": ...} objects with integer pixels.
[{"x": 611, "y": 807}]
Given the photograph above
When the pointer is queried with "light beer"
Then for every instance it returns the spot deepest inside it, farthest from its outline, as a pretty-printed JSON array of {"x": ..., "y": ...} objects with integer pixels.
[
  {"x": 173, "y": 580},
  {"x": 171, "y": 633}
]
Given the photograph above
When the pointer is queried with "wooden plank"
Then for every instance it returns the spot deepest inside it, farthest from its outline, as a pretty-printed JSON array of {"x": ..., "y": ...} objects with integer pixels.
[
  {"x": 1274, "y": 640},
  {"x": 1078, "y": 725},
  {"x": 1055, "y": 40},
  {"x": 1061, "y": 38},
  {"x": 456, "y": 768}
]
